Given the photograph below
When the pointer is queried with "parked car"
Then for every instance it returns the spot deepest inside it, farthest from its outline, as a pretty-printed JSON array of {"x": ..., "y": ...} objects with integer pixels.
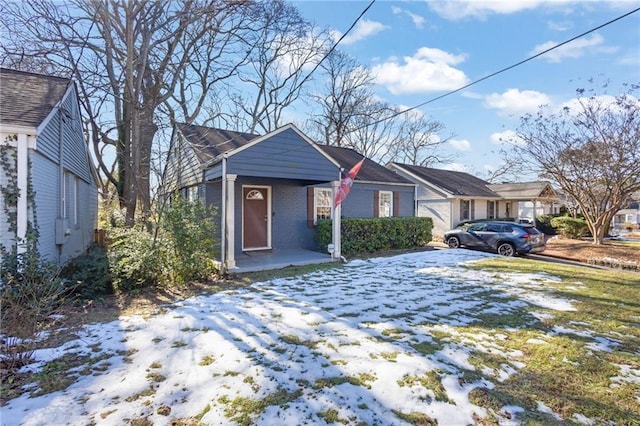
[{"x": 505, "y": 238}]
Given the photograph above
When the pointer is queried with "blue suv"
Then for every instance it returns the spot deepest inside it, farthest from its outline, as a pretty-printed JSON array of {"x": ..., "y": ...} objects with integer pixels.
[{"x": 505, "y": 238}]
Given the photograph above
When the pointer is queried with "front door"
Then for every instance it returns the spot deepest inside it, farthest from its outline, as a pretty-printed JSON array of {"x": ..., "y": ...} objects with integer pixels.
[{"x": 255, "y": 219}]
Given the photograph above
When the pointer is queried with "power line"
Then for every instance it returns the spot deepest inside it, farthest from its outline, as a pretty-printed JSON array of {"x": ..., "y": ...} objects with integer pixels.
[
  {"x": 502, "y": 70},
  {"x": 326, "y": 55}
]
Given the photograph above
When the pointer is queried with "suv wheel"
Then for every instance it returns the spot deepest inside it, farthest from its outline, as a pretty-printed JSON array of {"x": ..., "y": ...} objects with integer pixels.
[
  {"x": 453, "y": 242},
  {"x": 506, "y": 249}
]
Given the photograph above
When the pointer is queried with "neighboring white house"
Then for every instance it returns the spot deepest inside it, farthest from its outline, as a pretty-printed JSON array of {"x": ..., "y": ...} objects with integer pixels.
[
  {"x": 42, "y": 143},
  {"x": 451, "y": 197},
  {"x": 527, "y": 199}
]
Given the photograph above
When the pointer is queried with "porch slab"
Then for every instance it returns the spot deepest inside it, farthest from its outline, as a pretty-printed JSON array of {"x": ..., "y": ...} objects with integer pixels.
[{"x": 277, "y": 259}]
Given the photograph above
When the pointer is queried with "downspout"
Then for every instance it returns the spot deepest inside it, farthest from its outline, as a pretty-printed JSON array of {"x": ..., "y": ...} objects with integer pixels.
[
  {"x": 61, "y": 196},
  {"x": 223, "y": 219}
]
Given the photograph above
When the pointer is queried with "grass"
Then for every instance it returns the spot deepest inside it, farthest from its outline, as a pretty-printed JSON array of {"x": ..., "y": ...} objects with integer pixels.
[{"x": 565, "y": 373}]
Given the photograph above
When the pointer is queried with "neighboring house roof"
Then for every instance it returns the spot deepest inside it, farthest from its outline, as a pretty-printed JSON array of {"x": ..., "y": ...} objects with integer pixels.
[
  {"x": 370, "y": 171},
  {"x": 208, "y": 142},
  {"x": 525, "y": 190},
  {"x": 452, "y": 182},
  {"x": 26, "y": 99}
]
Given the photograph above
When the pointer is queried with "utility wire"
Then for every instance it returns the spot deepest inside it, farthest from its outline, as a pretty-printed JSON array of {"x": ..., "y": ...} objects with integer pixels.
[
  {"x": 334, "y": 46},
  {"x": 502, "y": 70}
]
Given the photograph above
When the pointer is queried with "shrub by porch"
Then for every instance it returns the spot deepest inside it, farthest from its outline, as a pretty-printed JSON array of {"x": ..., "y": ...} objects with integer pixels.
[{"x": 364, "y": 236}]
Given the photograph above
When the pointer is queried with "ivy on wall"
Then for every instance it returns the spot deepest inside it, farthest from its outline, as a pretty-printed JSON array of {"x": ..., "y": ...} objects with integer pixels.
[{"x": 10, "y": 193}]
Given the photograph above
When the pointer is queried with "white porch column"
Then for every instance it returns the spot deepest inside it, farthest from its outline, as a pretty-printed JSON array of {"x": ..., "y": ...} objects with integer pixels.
[
  {"x": 336, "y": 222},
  {"x": 230, "y": 260},
  {"x": 23, "y": 181}
]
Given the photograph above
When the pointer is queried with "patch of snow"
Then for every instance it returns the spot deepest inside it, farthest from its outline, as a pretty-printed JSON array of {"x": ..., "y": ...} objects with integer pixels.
[
  {"x": 544, "y": 409},
  {"x": 583, "y": 419}
]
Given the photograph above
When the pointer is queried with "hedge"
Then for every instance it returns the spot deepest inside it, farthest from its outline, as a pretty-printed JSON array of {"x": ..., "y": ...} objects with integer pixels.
[{"x": 365, "y": 236}]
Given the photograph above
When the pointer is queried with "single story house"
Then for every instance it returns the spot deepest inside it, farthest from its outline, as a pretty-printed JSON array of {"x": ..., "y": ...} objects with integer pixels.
[
  {"x": 270, "y": 190},
  {"x": 45, "y": 160},
  {"x": 527, "y": 199},
  {"x": 450, "y": 197}
]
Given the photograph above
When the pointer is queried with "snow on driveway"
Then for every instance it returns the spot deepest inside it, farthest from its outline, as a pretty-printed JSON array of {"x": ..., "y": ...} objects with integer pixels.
[{"x": 346, "y": 344}]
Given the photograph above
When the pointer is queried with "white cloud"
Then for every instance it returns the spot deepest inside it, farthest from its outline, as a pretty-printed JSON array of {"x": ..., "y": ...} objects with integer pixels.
[
  {"x": 417, "y": 20},
  {"x": 508, "y": 137},
  {"x": 364, "y": 29},
  {"x": 516, "y": 102},
  {"x": 460, "y": 144},
  {"x": 559, "y": 26},
  {"x": 480, "y": 8},
  {"x": 575, "y": 49},
  {"x": 428, "y": 70}
]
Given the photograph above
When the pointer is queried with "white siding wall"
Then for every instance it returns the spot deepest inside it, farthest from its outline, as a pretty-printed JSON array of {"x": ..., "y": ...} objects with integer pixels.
[{"x": 439, "y": 211}]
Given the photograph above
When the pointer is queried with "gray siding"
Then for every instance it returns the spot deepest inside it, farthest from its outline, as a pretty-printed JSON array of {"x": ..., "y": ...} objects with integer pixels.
[
  {"x": 212, "y": 199},
  {"x": 285, "y": 155},
  {"x": 183, "y": 167},
  {"x": 75, "y": 154},
  {"x": 44, "y": 175}
]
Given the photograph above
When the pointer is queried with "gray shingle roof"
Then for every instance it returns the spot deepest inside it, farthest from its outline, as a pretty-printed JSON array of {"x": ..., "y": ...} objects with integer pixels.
[
  {"x": 455, "y": 183},
  {"x": 524, "y": 190},
  {"x": 370, "y": 171},
  {"x": 26, "y": 98},
  {"x": 208, "y": 142}
]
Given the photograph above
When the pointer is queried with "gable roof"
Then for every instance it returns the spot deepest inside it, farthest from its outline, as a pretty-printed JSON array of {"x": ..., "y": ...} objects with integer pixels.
[
  {"x": 26, "y": 99},
  {"x": 208, "y": 143},
  {"x": 455, "y": 183},
  {"x": 370, "y": 171},
  {"x": 524, "y": 190}
]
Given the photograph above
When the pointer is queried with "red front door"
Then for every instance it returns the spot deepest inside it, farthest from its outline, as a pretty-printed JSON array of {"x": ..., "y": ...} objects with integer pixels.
[{"x": 255, "y": 218}]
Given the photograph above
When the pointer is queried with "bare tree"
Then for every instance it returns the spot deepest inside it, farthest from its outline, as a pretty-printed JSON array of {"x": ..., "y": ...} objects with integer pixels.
[
  {"x": 372, "y": 130},
  {"x": 419, "y": 141},
  {"x": 284, "y": 46},
  {"x": 347, "y": 86},
  {"x": 591, "y": 150},
  {"x": 128, "y": 58}
]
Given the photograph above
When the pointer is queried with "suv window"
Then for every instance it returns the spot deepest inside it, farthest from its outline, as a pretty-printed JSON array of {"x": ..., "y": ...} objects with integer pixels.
[{"x": 477, "y": 227}]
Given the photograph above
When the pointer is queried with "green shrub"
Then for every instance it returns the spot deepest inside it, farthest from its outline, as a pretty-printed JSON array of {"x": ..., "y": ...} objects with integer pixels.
[
  {"x": 364, "y": 236},
  {"x": 188, "y": 228},
  {"x": 543, "y": 223},
  {"x": 570, "y": 227},
  {"x": 89, "y": 273},
  {"x": 134, "y": 259}
]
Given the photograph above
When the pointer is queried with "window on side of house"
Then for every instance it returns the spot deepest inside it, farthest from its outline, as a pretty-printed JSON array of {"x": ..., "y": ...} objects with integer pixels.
[
  {"x": 466, "y": 210},
  {"x": 385, "y": 204},
  {"x": 491, "y": 209},
  {"x": 322, "y": 204}
]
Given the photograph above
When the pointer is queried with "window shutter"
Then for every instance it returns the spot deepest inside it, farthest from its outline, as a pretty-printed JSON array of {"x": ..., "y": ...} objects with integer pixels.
[
  {"x": 396, "y": 204},
  {"x": 310, "y": 212},
  {"x": 461, "y": 210},
  {"x": 376, "y": 203},
  {"x": 472, "y": 213}
]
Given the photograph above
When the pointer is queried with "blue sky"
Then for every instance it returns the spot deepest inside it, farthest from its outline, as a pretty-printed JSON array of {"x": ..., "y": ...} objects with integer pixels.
[{"x": 422, "y": 49}]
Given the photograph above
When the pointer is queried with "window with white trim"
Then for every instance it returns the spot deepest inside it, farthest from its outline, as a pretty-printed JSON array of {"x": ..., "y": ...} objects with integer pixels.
[
  {"x": 491, "y": 209},
  {"x": 385, "y": 204},
  {"x": 465, "y": 210},
  {"x": 322, "y": 204}
]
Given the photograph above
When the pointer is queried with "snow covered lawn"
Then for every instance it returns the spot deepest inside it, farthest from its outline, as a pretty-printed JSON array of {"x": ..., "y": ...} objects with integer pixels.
[{"x": 410, "y": 339}]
